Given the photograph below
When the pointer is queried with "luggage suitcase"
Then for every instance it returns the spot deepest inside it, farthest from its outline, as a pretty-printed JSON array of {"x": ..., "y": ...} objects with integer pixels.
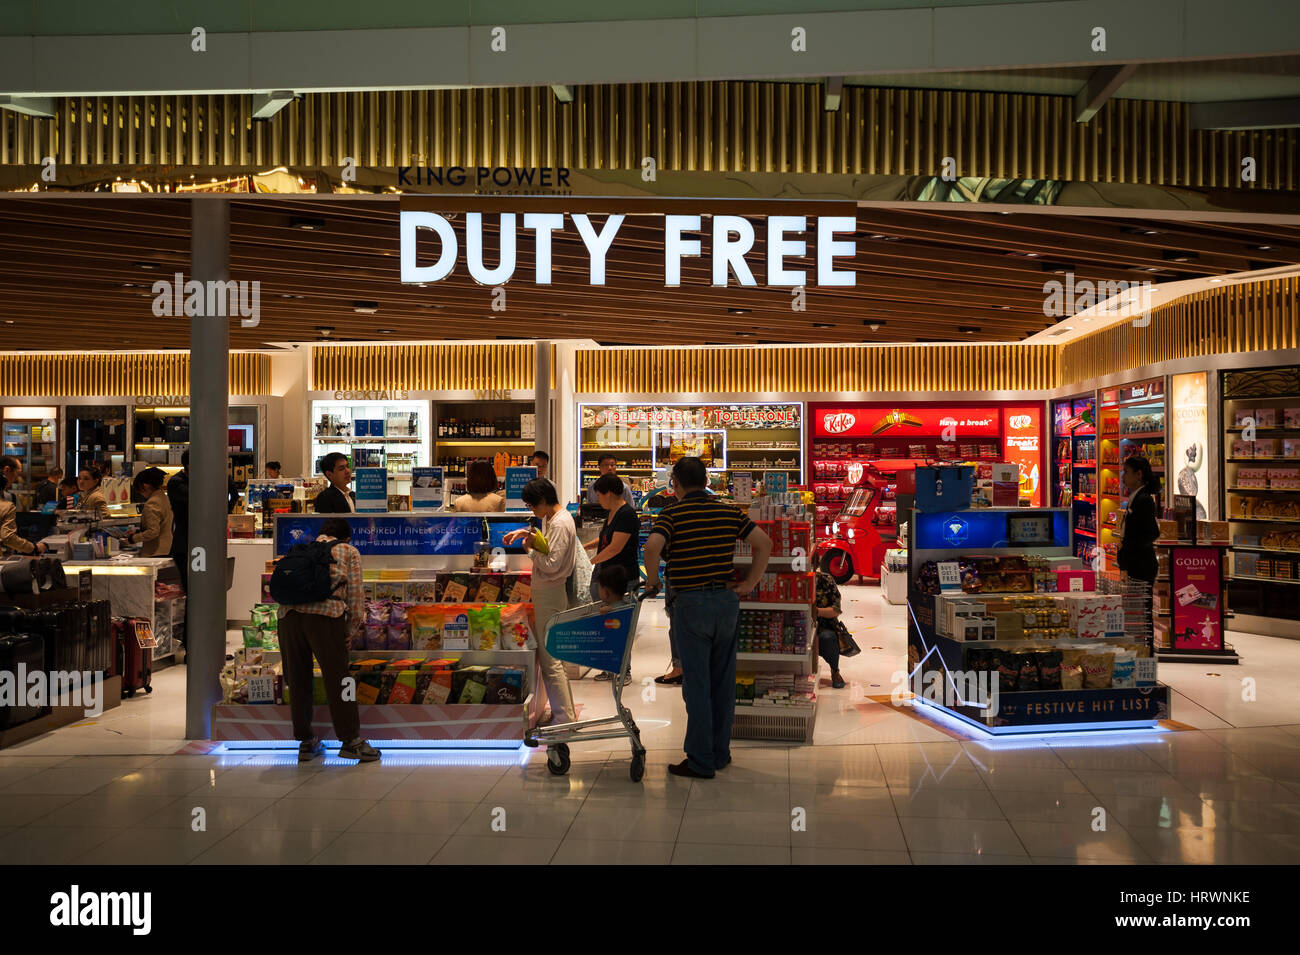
[
  {"x": 134, "y": 662},
  {"x": 27, "y": 650}
]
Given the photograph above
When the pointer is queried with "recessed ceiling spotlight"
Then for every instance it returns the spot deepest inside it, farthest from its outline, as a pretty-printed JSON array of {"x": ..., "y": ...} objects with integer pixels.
[
  {"x": 1261, "y": 248},
  {"x": 874, "y": 322},
  {"x": 1216, "y": 281},
  {"x": 1005, "y": 308},
  {"x": 1056, "y": 268},
  {"x": 821, "y": 325},
  {"x": 9, "y": 321},
  {"x": 968, "y": 329},
  {"x": 325, "y": 330},
  {"x": 386, "y": 331},
  {"x": 146, "y": 266},
  {"x": 1178, "y": 255},
  {"x": 740, "y": 311},
  {"x": 1138, "y": 230},
  {"x": 365, "y": 308},
  {"x": 307, "y": 224},
  {"x": 745, "y": 334}
]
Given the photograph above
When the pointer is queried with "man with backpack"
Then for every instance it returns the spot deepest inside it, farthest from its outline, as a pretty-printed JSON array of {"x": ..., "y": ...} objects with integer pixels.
[{"x": 322, "y": 607}]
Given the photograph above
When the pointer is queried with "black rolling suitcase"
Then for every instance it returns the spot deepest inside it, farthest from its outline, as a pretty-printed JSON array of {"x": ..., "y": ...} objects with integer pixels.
[
  {"x": 27, "y": 650},
  {"x": 134, "y": 662}
]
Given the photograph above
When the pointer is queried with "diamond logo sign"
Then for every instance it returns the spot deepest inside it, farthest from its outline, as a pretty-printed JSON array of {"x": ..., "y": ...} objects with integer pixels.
[{"x": 955, "y": 530}]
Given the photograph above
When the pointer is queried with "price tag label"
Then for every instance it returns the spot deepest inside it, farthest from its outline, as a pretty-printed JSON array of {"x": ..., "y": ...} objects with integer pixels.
[
  {"x": 1076, "y": 585},
  {"x": 949, "y": 576},
  {"x": 261, "y": 688}
]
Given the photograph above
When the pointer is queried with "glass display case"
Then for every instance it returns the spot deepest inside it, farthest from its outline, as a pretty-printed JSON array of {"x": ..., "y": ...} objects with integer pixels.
[
  {"x": 96, "y": 434},
  {"x": 394, "y": 435}
]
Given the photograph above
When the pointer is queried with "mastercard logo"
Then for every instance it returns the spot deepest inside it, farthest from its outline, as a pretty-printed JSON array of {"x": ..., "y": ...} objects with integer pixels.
[{"x": 613, "y": 623}]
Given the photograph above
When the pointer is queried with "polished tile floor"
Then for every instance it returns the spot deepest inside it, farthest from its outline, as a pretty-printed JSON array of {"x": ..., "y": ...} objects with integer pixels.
[{"x": 878, "y": 785}]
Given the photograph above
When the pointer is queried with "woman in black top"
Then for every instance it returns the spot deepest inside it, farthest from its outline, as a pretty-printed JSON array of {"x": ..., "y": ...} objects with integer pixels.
[
  {"x": 618, "y": 537},
  {"x": 1137, "y": 554}
]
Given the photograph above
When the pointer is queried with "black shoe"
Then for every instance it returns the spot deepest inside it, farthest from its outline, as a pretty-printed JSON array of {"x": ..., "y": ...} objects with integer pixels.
[
  {"x": 684, "y": 769},
  {"x": 837, "y": 681},
  {"x": 669, "y": 680}
]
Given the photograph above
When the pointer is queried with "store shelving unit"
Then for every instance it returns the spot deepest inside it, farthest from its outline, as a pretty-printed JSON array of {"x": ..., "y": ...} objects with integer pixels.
[
  {"x": 95, "y": 433},
  {"x": 160, "y": 435},
  {"x": 388, "y": 434},
  {"x": 1112, "y": 496},
  {"x": 1075, "y": 450},
  {"x": 1261, "y": 493}
]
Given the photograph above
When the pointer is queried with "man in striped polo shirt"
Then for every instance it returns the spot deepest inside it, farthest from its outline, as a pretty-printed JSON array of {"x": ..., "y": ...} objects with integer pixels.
[{"x": 698, "y": 534}]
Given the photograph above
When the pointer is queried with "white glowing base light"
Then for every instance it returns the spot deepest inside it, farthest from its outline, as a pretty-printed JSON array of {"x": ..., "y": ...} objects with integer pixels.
[
  {"x": 1117, "y": 733},
  {"x": 397, "y": 752}
]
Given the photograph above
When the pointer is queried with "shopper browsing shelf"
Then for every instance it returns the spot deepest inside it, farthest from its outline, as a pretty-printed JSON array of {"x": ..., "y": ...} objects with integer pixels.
[
  {"x": 336, "y": 499},
  {"x": 47, "y": 491},
  {"x": 481, "y": 488},
  {"x": 550, "y": 583},
  {"x": 92, "y": 498},
  {"x": 699, "y": 534},
  {"x": 178, "y": 496},
  {"x": 12, "y": 471},
  {"x": 155, "y": 534},
  {"x": 617, "y": 543},
  {"x": 324, "y": 625},
  {"x": 9, "y": 539}
]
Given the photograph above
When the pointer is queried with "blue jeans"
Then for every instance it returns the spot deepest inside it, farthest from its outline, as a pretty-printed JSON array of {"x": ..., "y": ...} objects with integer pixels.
[{"x": 705, "y": 625}]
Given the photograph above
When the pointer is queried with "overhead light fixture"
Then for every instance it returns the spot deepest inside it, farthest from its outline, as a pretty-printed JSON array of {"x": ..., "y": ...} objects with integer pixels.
[
  {"x": 874, "y": 322},
  {"x": 745, "y": 334},
  {"x": 1260, "y": 248},
  {"x": 1056, "y": 268},
  {"x": 1178, "y": 255},
  {"x": 1215, "y": 281},
  {"x": 968, "y": 329},
  {"x": 307, "y": 224},
  {"x": 385, "y": 331},
  {"x": 365, "y": 308},
  {"x": 1005, "y": 307},
  {"x": 146, "y": 266},
  {"x": 9, "y": 321},
  {"x": 325, "y": 330},
  {"x": 740, "y": 311},
  {"x": 1138, "y": 230},
  {"x": 821, "y": 325}
]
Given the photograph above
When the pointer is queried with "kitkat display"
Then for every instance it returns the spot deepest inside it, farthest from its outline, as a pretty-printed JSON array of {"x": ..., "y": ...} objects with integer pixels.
[{"x": 1074, "y": 468}]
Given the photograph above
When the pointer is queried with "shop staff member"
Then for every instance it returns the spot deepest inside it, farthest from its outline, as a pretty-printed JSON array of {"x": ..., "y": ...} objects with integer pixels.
[
  {"x": 9, "y": 539},
  {"x": 48, "y": 490},
  {"x": 336, "y": 499},
  {"x": 325, "y": 629},
  {"x": 12, "y": 469},
  {"x": 1137, "y": 553},
  {"x": 273, "y": 469},
  {"x": 67, "y": 493},
  {"x": 542, "y": 461},
  {"x": 607, "y": 465},
  {"x": 92, "y": 498},
  {"x": 155, "y": 533},
  {"x": 699, "y": 533}
]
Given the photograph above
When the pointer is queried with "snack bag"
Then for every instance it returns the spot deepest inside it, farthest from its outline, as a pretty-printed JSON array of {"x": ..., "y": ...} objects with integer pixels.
[
  {"x": 376, "y": 637},
  {"x": 264, "y": 615},
  {"x": 505, "y": 685},
  {"x": 398, "y": 637},
  {"x": 455, "y": 628},
  {"x": 426, "y": 627},
  {"x": 485, "y": 628},
  {"x": 439, "y": 691},
  {"x": 517, "y": 627},
  {"x": 253, "y": 636},
  {"x": 377, "y": 612},
  {"x": 1124, "y": 672},
  {"x": 1028, "y": 672},
  {"x": 1098, "y": 670},
  {"x": 1049, "y": 670},
  {"x": 270, "y": 638},
  {"x": 398, "y": 613},
  {"x": 1008, "y": 671}
]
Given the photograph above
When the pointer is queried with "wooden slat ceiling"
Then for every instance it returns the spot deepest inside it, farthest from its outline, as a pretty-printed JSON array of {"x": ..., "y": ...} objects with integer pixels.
[{"x": 71, "y": 275}]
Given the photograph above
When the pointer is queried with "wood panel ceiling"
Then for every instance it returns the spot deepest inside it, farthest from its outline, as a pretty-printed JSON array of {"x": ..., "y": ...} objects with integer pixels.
[{"x": 76, "y": 273}]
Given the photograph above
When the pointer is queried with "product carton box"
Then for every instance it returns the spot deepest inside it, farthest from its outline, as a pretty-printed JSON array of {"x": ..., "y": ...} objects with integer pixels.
[
  {"x": 1074, "y": 581},
  {"x": 1252, "y": 477},
  {"x": 1291, "y": 417},
  {"x": 1265, "y": 418},
  {"x": 1168, "y": 530},
  {"x": 1290, "y": 448},
  {"x": 1216, "y": 531},
  {"x": 949, "y": 607},
  {"x": 1093, "y": 616},
  {"x": 1284, "y": 479},
  {"x": 1243, "y": 449},
  {"x": 1266, "y": 448}
]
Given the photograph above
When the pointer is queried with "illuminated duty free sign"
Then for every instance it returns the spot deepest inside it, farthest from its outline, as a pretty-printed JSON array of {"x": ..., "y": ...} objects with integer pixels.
[{"x": 733, "y": 236}]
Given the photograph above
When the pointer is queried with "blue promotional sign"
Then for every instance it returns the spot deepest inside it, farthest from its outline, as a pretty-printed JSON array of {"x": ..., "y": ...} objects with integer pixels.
[
  {"x": 516, "y": 478},
  {"x": 597, "y": 641},
  {"x": 975, "y": 529},
  {"x": 776, "y": 482},
  {"x": 399, "y": 535},
  {"x": 372, "y": 490},
  {"x": 427, "y": 488},
  {"x": 1067, "y": 707}
]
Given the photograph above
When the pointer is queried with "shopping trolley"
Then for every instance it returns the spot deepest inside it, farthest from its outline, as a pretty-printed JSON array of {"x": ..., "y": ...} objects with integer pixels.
[{"x": 599, "y": 636}]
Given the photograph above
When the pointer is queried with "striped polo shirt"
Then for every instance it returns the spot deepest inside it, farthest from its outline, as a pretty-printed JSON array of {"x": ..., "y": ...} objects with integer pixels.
[{"x": 701, "y": 534}]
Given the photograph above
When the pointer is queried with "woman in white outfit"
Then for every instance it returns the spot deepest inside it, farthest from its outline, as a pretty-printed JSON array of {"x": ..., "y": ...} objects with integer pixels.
[{"x": 550, "y": 593}]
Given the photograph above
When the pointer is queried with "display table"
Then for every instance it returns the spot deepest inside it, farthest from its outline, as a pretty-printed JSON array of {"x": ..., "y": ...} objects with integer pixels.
[
  {"x": 250, "y": 557},
  {"x": 128, "y": 584}
]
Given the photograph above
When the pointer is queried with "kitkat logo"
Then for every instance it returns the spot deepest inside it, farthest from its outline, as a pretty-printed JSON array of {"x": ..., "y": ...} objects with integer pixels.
[
  {"x": 1018, "y": 422},
  {"x": 839, "y": 422}
]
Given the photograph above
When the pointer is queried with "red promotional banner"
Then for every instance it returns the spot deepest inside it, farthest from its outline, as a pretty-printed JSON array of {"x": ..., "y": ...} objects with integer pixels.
[
  {"x": 1198, "y": 616},
  {"x": 1023, "y": 446},
  {"x": 950, "y": 423}
]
